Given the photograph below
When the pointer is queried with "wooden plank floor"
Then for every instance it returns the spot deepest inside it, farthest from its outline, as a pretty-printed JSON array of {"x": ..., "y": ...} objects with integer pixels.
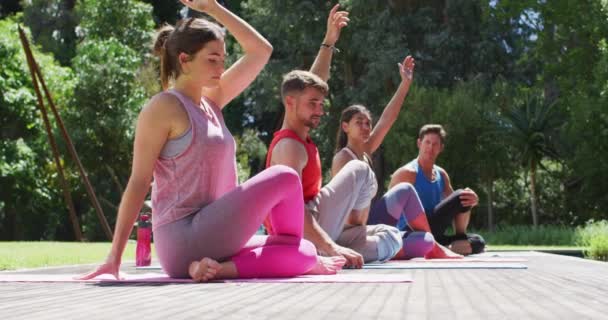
[{"x": 553, "y": 287}]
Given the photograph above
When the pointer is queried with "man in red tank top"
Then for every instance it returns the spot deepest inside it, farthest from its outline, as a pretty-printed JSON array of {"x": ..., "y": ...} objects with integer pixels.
[{"x": 329, "y": 209}]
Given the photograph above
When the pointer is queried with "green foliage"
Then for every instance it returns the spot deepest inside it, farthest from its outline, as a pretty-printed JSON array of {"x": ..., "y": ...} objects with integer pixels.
[
  {"x": 53, "y": 24},
  {"x": 594, "y": 236},
  {"x": 29, "y": 208},
  {"x": 588, "y": 133},
  {"x": 106, "y": 101},
  {"x": 487, "y": 70},
  {"x": 8, "y": 7},
  {"x": 128, "y": 21},
  {"x": 165, "y": 11},
  {"x": 533, "y": 125},
  {"x": 250, "y": 154}
]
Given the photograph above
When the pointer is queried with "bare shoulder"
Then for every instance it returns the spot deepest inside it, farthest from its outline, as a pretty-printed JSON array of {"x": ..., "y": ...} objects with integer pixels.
[
  {"x": 444, "y": 174},
  {"x": 406, "y": 173},
  {"x": 161, "y": 106},
  {"x": 341, "y": 158},
  {"x": 407, "y": 170},
  {"x": 289, "y": 152},
  {"x": 289, "y": 145}
]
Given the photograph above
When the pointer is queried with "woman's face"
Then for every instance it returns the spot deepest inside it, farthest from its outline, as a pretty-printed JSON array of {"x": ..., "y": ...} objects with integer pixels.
[
  {"x": 358, "y": 128},
  {"x": 207, "y": 65}
]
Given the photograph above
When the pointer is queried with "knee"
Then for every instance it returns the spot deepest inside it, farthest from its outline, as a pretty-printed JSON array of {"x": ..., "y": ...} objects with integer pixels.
[
  {"x": 404, "y": 187},
  {"x": 418, "y": 244},
  {"x": 427, "y": 242},
  {"x": 358, "y": 167},
  {"x": 404, "y": 190},
  {"x": 285, "y": 175},
  {"x": 309, "y": 255}
]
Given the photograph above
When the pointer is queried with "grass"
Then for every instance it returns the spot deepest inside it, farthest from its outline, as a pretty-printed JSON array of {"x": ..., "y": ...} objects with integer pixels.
[
  {"x": 549, "y": 235},
  {"x": 23, "y": 255},
  {"x": 492, "y": 247}
]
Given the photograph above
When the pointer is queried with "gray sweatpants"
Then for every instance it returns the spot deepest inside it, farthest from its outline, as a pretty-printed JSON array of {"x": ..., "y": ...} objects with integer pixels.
[{"x": 350, "y": 190}]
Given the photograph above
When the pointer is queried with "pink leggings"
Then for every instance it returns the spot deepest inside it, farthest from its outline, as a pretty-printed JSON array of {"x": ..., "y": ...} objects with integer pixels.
[{"x": 225, "y": 230}]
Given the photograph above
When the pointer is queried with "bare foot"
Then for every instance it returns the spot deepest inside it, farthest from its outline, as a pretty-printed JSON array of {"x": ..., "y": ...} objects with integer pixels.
[
  {"x": 327, "y": 265},
  {"x": 441, "y": 252},
  {"x": 461, "y": 247},
  {"x": 204, "y": 270}
]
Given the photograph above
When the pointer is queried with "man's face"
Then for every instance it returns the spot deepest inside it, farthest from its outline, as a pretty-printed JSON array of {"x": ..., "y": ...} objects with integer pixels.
[
  {"x": 430, "y": 146},
  {"x": 309, "y": 107}
]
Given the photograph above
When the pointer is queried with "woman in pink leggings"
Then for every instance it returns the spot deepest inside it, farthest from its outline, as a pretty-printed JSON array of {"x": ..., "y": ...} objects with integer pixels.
[{"x": 204, "y": 222}]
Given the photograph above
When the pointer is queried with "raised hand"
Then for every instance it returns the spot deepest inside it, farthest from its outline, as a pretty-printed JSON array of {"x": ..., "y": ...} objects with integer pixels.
[
  {"x": 200, "y": 5},
  {"x": 406, "y": 69},
  {"x": 335, "y": 22},
  {"x": 468, "y": 198}
]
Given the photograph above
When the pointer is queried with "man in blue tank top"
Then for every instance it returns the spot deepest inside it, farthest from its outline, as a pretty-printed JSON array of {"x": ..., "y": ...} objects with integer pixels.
[{"x": 442, "y": 205}]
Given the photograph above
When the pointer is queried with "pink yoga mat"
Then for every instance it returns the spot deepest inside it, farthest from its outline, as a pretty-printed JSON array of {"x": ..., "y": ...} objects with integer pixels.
[
  {"x": 463, "y": 260},
  {"x": 163, "y": 278}
]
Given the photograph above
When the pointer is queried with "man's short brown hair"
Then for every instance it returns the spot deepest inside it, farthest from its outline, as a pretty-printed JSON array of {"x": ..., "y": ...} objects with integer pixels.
[
  {"x": 432, "y": 128},
  {"x": 299, "y": 80}
]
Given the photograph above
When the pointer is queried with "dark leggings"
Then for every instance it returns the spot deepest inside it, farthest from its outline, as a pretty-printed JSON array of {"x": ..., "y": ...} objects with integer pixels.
[
  {"x": 443, "y": 214},
  {"x": 441, "y": 218}
]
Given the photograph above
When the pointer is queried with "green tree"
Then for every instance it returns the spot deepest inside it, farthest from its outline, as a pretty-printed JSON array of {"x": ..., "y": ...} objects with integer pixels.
[
  {"x": 29, "y": 205},
  {"x": 8, "y": 7},
  {"x": 534, "y": 127},
  {"x": 128, "y": 21},
  {"x": 110, "y": 72},
  {"x": 53, "y": 25}
]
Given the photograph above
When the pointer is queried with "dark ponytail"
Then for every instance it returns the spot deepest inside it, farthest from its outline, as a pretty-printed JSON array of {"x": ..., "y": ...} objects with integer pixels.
[{"x": 162, "y": 35}]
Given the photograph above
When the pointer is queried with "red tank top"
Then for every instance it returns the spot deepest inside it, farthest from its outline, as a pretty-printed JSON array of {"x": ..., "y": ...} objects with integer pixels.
[{"x": 311, "y": 174}]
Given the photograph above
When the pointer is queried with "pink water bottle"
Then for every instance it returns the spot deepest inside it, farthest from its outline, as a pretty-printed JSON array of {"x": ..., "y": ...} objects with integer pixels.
[{"x": 143, "y": 253}]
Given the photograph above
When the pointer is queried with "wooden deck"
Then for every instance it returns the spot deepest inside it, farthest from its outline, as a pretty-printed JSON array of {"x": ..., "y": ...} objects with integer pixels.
[{"x": 553, "y": 287}]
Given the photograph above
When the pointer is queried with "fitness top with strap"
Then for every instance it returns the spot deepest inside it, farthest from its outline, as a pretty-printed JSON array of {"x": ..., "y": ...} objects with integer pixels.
[
  {"x": 430, "y": 192},
  {"x": 311, "y": 174},
  {"x": 202, "y": 173}
]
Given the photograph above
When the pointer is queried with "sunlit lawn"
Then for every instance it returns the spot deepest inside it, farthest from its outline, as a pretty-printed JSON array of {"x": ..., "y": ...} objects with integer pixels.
[{"x": 23, "y": 255}]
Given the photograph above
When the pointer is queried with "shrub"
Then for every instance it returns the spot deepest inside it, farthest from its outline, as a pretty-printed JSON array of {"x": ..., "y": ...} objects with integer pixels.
[{"x": 594, "y": 237}]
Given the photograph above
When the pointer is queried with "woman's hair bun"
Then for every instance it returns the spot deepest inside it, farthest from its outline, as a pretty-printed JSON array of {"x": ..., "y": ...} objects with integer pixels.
[{"x": 161, "y": 38}]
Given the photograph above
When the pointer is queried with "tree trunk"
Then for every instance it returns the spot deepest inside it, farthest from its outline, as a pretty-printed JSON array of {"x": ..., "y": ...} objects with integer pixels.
[
  {"x": 533, "y": 194},
  {"x": 490, "y": 192}
]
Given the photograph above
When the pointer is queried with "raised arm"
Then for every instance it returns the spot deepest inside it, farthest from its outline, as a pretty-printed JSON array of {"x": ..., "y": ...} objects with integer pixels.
[
  {"x": 151, "y": 134},
  {"x": 257, "y": 52},
  {"x": 335, "y": 22},
  {"x": 392, "y": 109}
]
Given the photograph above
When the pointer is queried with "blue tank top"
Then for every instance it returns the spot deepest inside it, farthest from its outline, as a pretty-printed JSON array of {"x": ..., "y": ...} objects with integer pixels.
[{"x": 430, "y": 192}]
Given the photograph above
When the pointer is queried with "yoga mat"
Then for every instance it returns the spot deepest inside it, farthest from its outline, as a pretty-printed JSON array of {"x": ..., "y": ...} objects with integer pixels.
[
  {"x": 485, "y": 262},
  {"x": 463, "y": 260},
  {"x": 404, "y": 264},
  {"x": 163, "y": 278}
]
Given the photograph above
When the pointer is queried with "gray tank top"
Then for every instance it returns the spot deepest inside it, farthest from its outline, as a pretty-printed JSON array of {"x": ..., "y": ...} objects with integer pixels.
[{"x": 176, "y": 146}]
